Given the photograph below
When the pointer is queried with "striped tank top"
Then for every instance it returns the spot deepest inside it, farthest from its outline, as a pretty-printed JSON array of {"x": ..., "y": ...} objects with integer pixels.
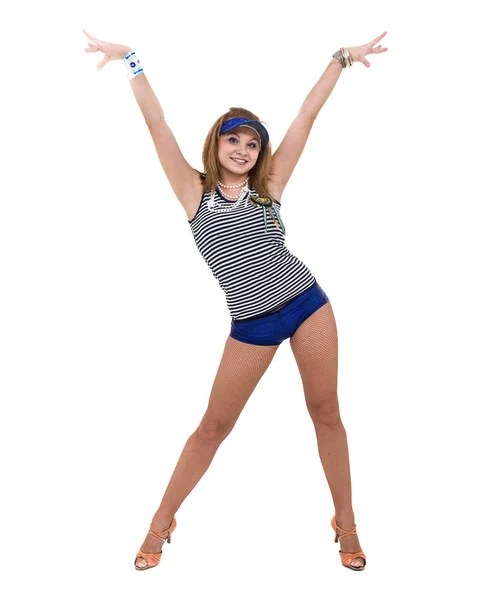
[{"x": 243, "y": 246}]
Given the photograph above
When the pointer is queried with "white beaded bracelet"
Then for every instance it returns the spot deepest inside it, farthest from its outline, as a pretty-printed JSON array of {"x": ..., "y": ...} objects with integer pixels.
[{"x": 132, "y": 65}]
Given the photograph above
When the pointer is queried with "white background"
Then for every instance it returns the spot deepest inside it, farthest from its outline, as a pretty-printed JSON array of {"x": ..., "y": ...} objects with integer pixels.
[{"x": 112, "y": 325}]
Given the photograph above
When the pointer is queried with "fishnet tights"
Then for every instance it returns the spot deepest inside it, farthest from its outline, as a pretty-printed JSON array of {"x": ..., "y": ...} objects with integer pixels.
[
  {"x": 315, "y": 348},
  {"x": 241, "y": 367}
]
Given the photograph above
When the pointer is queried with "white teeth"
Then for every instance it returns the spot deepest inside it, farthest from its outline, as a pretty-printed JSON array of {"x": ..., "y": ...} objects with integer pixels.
[{"x": 242, "y": 162}]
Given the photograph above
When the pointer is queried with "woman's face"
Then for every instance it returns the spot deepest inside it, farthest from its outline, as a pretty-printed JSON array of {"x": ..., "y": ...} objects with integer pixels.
[{"x": 240, "y": 143}]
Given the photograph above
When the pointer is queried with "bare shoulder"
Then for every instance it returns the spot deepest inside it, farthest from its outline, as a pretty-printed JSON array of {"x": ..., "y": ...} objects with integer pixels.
[
  {"x": 192, "y": 197},
  {"x": 194, "y": 191},
  {"x": 275, "y": 187}
]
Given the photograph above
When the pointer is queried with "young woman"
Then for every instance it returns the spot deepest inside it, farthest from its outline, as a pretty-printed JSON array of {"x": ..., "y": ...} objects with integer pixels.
[{"x": 233, "y": 209}]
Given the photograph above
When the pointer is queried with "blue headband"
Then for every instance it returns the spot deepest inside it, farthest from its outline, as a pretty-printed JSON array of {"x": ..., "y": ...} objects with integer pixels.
[{"x": 255, "y": 125}]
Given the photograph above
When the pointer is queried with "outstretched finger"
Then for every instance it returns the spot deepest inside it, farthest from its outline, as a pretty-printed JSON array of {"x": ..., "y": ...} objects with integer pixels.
[
  {"x": 91, "y": 36},
  {"x": 380, "y": 37},
  {"x": 101, "y": 64},
  {"x": 92, "y": 49}
]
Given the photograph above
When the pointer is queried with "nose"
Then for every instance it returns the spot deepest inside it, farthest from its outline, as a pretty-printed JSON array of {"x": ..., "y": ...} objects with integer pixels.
[{"x": 241, "y": 149}]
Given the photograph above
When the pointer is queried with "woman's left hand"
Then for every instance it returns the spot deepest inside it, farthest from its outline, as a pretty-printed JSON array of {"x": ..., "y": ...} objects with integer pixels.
[{"x": 358, "y": 53}]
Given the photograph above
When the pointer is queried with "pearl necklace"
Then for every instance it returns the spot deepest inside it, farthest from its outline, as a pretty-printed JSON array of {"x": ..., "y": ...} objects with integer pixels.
[
  {"x": 222, "y": 185},
  {"x": 213, "y": 206}
]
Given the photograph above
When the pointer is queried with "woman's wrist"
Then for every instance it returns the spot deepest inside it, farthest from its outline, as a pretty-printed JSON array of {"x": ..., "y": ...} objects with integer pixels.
[
  {"x": 344, "y": 57},
  {"x": 132, "y": 64}
]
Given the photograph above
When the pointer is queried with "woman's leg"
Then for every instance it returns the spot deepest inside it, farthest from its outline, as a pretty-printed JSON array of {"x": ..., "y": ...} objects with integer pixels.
[
  {"x": 315, "y": 348},
  {"x": 241, "y": 367}
]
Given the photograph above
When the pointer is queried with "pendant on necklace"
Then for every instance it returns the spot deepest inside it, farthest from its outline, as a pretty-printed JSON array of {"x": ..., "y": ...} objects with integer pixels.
[
  {"x": 261, "y": 201},
  {"x": 267, "y": 203}
]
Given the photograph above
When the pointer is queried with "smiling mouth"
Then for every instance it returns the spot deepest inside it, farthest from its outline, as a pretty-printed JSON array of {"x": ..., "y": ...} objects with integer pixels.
[{"x": 239, "y": 162}]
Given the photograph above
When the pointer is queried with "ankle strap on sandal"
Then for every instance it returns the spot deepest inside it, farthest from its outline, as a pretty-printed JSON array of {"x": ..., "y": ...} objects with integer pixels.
[
  {"x": 157, "y": 534},
  {"x": 345, "y": 531}
]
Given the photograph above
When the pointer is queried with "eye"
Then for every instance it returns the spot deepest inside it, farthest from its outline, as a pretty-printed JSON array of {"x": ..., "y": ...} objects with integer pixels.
[{"x": 235, "y": 140}]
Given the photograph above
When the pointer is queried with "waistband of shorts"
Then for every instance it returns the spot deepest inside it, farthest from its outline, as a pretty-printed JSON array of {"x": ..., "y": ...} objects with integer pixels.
[{"x": 277, "y": 308}]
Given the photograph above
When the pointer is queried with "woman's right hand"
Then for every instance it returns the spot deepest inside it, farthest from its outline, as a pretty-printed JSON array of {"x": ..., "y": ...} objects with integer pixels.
[{"x": 111, "y": 51}]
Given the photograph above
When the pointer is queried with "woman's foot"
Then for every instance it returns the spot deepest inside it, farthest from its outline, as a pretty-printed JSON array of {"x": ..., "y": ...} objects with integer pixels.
[
  {"x": 349, "y": 543},
  {"x": 151, "y": 543}
]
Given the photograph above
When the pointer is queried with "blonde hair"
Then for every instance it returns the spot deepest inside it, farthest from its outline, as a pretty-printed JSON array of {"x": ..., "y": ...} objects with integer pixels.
[{"x": 258, "y": 175}]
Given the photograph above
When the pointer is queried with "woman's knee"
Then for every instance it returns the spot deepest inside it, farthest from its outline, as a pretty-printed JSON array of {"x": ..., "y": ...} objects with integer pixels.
[
  {"x": 213, "y": 430},
  {"x": 324, "y": 409}
]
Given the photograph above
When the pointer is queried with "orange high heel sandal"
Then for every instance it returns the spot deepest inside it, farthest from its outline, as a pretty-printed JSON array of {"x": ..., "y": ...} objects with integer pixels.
[
  {"x": 347, "y": 557},
  {"x": 153, "y": 558}
]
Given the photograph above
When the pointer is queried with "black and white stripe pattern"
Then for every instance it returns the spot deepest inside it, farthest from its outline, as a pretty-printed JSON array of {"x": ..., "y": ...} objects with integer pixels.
[{"x": 254, "y": 268}]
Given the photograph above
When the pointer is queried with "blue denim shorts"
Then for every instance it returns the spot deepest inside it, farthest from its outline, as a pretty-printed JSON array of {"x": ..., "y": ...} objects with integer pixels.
[{"x": 274, "y": 328}]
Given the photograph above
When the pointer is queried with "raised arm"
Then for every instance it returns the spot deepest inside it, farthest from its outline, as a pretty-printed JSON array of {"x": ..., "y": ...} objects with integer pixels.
[
  {"x": 183, "y": 178},
  {"x": 288, "y": 152},
  {"x": 291, "y": 148}
]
